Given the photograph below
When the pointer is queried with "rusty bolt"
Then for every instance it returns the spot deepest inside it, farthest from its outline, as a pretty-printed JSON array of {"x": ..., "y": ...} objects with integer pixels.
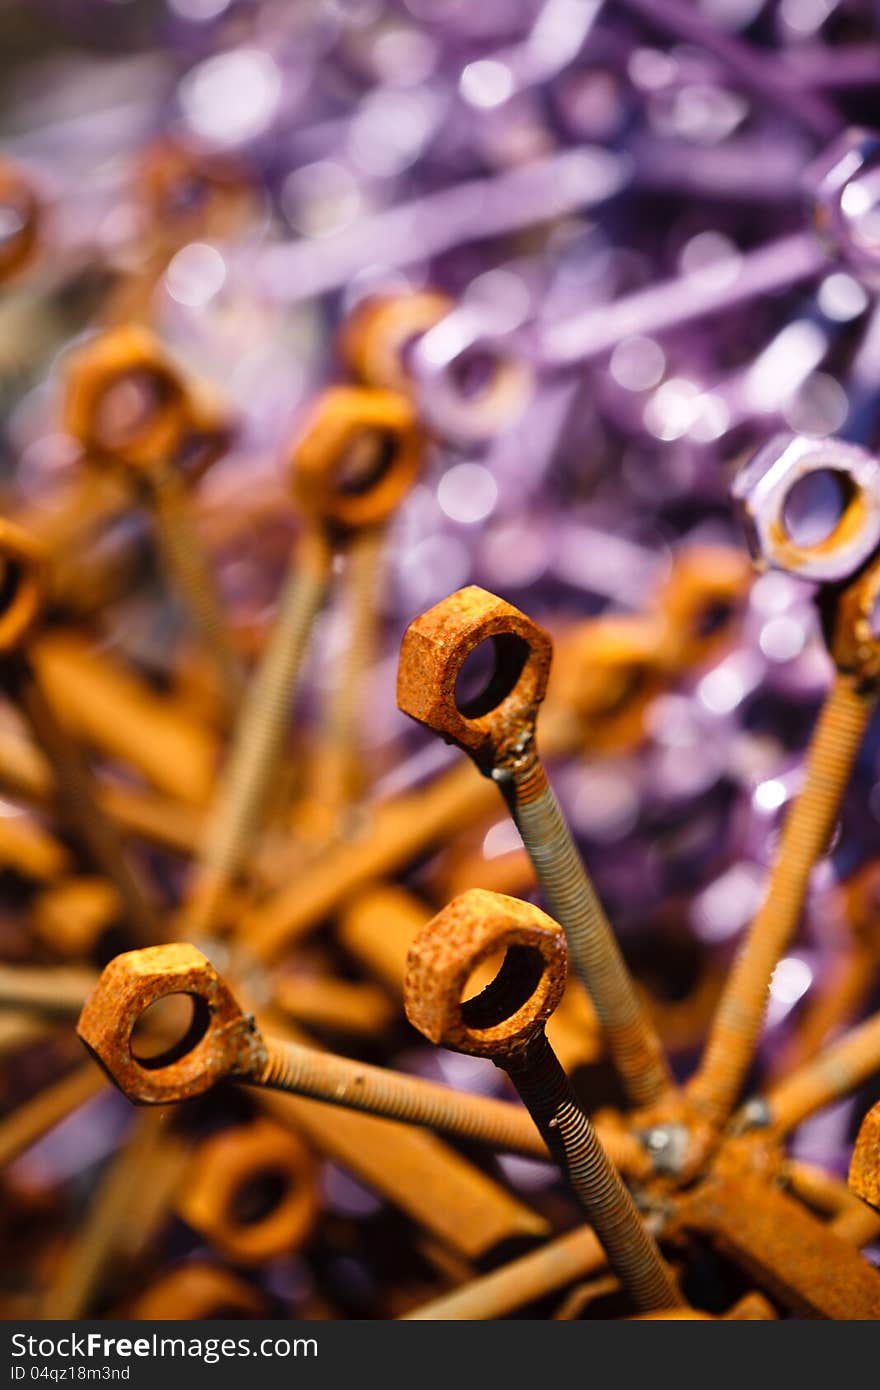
[
  {"x": 22, "y": 585},
  {"x": 833, "y": 749},
  {"x": 125, "y": 402},
  {"x": 357, "y": 457},
  {"x": 606, "y": 673},
  {"x": 498, "y": 726},
  {"x": 701, "y": 600},
  {"x": 22, "y": 596},
  {"x": 505, "y": 1023},
  {"x": 855, "y": 637},
  {"x": 764, "y": 489},
  {"x": 251, "y": 1192},
  {"x": 190, "y": 193},
  {"x": 220, "y": 1041},
  {"x": 497, "y": 729},
  {"x": 381, "y": 328},
  {"x": 515, "y": 1006},
  {"x": 864, "y": 1168},
  {"x": 223, "y": 1041},
  {"x": 196, "y": 1290}
]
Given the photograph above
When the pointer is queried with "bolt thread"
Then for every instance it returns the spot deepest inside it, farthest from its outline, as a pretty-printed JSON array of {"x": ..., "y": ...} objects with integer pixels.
[
  {"x": 632, "y": 1252},
  {"x": 188, "y": 564},
  {"x": 734, "y": 1034},
  {"x": 394, "y": 1096},
  {"x": 845, "y": 1065},
  {"x": 336, "y": 771},
  {"x": 634, "y": 1045},
  {"x": 259, "y": 733}
]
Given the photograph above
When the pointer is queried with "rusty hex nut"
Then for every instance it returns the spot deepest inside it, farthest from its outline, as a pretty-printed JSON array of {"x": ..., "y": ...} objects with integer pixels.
[
  {"x": 514, "y": 1007},
  {"x": 498, "y": 723},
  {"x": 357, "y": 458},
  {"x": 764, "y": 487},
  {"x": 377, "y": 333},
  {"x": 126, "y": 403},
  {"x": 23, "y": 212},
  {"x": 606, "y": 673},
  {"x": 221, "y": 1040},
  {"x": 187, "y": 192},
  {"x": 23, "y": 582},
  {"x": 251, "y": 1192},
  {"x": 844, "y": 186},
  {"x": 855, "y": 636},
  {"x": 701, "y": 600}
]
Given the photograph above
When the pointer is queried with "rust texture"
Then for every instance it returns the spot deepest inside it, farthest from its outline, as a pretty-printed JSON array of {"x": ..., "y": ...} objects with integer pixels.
[
  {"x": 501, "y": 1024},
  {"x": 864, "y": 1170},
  {"x": 251, "y": 1192}
]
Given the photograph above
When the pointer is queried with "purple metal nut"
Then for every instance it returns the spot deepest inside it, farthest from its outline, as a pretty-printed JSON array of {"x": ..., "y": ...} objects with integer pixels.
[
  {"x": 844, "y": 184},
  {"x": 768, "y": 495}
]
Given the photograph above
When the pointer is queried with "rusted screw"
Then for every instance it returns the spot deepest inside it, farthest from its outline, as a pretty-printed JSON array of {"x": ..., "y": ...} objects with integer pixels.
[
  {"x": 224, "y": 1041},
  {"x": 23, "y": 568},
  {"x": 505, "y": 1023},
  {"x": 842, "y": 724},
  {"x": 556, "y": 1263},
  {"x": 354, "y": 463},
  {"x": 497, "y": 730},
  {"x": 134, "y": 413}
]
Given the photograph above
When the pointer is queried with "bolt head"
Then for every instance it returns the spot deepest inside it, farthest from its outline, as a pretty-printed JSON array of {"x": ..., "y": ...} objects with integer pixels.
[
  {"x": 376, "y": 334},
  {"x": 220, "y": 1041},
  {"x": 511, "y": 1010},
  {"x": 433, "y": 652},
  {"x": 844, "y": 185},
  {"x": 357, "y": 457},
  {"x": 101, "y": 370},
  {"x": 763, "y": 487}
]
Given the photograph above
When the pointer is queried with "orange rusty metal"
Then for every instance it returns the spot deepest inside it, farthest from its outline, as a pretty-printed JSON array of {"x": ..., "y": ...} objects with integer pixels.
[
  {"x": 357, "y": 457},
  {"x": 702, "y": 601},
  {"x": 796, "y": 1259},
  {"x": 864, "y": 1169},
  {"x": 514, "y": 1007},
  {"x": 497, "y": 728},
  {"x": 251, "y": 1192},
  {"x": 377, "y": 333},
  {"x": 505, "y": 1022},
  {"x": 222, "y": 1041},
  {"x": 18, "y": 194},
  {"x": 197, "y": 1290}
]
